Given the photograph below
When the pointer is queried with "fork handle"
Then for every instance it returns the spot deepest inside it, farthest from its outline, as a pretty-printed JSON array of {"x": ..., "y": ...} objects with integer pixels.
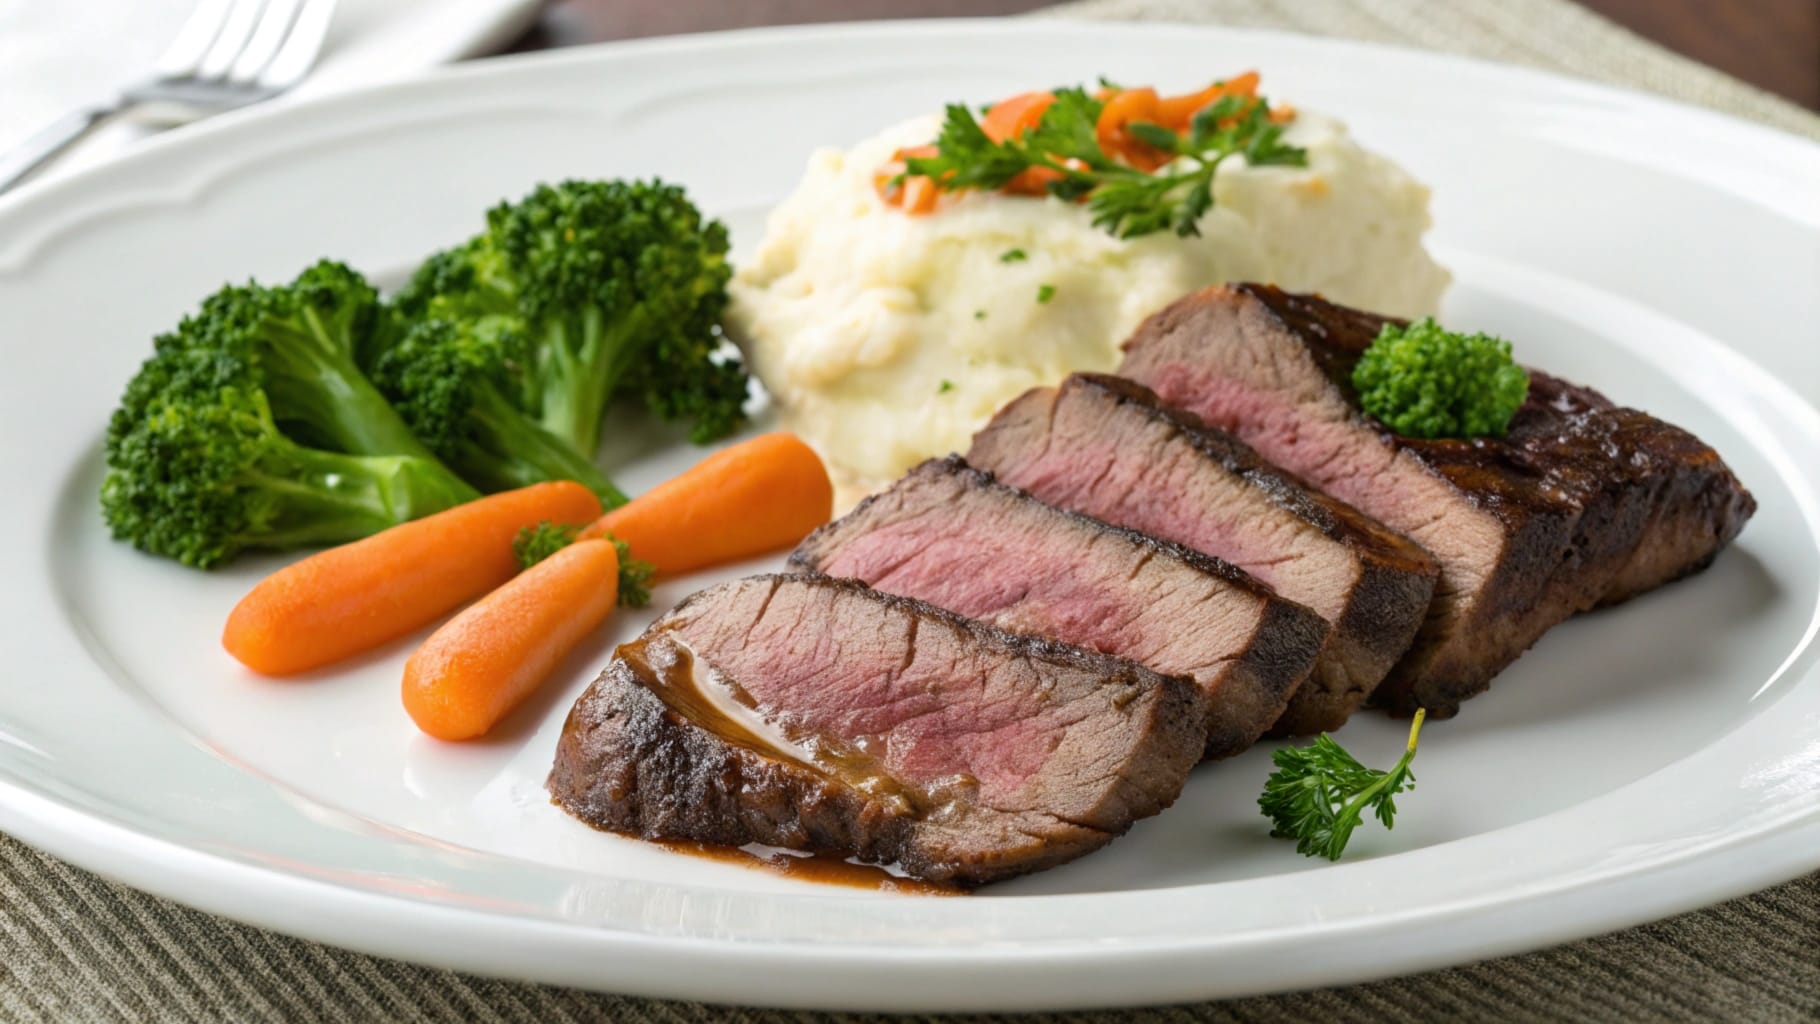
[{"x": 50, "y": 140}]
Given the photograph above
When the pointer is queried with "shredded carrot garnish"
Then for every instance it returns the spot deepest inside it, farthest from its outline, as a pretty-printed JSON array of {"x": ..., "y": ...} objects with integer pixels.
[
  {"x": 1010, "y": 118},
  {"x": 1082, "y": 138}
]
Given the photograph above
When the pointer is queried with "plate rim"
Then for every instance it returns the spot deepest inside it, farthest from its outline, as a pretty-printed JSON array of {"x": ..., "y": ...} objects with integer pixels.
[{"x": 89, "y": 845}]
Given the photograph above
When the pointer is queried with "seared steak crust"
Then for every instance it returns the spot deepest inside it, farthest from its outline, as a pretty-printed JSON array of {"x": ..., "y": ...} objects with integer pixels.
[
  {"x": 1583, "y": 503},
  {"x": 951, "y": 535},
  {"x": 914, "y": 735}
]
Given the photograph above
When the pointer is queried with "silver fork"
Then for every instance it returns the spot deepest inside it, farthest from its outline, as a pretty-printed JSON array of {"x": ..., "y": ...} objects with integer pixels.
[{"x": 230, "y": 53}]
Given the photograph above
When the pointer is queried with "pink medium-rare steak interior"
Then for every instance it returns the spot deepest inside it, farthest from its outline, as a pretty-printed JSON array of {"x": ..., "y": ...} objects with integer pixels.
[
  {"x": 1528, "y": 529},
  {"x": 1107, "y": 448},
  {"x": 932, "y": 709},
  {"x": 953, "y": 536},
  {"x": 889, "y": 730}
]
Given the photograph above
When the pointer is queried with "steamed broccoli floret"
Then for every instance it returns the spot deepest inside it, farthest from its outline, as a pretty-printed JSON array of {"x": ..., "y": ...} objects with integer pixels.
[
  {"x": 214, "y": 446},
  {"x": 463, "y": 387},
  {"x": 198, "y": 476},
  {"x": 1424, "y": 381},
  {"x": 297, "y": 344},
  {"x": 536, "y": 543},
  {"x": 620, "y": 285}
]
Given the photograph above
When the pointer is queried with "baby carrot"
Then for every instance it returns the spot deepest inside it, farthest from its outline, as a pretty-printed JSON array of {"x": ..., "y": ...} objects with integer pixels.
[
  {"x": 340, "y": 602},
  {"x": 754, "y": 497},
  {"x": 485, "y": 661}
]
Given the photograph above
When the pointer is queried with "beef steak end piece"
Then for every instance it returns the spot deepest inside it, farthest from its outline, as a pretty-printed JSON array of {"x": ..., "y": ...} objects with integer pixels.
[
  {"x": 1583, "y": 503},
  {"x": 1108, "y": 448},
  {"x": 951, "y": 535},
  {"x": 817, "y": 714}
]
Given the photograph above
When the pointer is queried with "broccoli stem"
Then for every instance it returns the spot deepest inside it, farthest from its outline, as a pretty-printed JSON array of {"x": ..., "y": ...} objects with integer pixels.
[
  {"x": 574, "y": 389},
  {"x": 504, "y": 450},
  {"x": 587, "y": 360},
  {"x": 312, "y": 497},
  {"x": 312, "y": 380}
]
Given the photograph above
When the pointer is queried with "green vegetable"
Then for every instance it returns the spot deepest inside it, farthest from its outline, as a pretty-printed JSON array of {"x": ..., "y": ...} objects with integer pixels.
[
  {"x": 251, "y": 427},
  {"x": 1423, "y": 381},
  {"x": 536, "y": 543},
  {"x": 1013, "y": 256},
  {"x": 946, "y": 386},
  {"x": 199, "y": 477},
  {"x": 619, "y": 286},
  {"x": 465, "y": 389},
  {"x": 1319, "y": 793},
  {"x": 1124, "y": 200},
  {"x": 1044, "y": 293}
]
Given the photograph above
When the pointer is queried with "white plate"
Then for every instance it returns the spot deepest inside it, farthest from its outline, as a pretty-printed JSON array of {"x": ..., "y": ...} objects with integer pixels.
[{"x": 1639, "y": 762}]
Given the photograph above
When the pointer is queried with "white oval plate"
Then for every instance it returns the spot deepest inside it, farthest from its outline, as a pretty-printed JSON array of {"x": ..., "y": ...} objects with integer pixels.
[{"x": 1640, "y": 761}]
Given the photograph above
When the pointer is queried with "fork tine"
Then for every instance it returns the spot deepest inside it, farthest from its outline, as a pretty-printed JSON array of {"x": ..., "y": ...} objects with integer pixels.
[
  {"x": 235, "y": 30},
  {"x": 295, "y": 58},
  {"x": 274, "y": 25},
  {"x": 193, "y": 39}
]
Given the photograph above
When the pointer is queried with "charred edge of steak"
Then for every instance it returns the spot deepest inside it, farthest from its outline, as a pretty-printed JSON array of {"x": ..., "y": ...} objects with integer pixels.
[
  {"x": 1286, "y": 629},
  {"x": 631, "y": 763},
  {"x": 1344, "y": 333},
  {"x": 1600, "y": 502},
  {"x": 1366, "y": 641},
  {"x": 627, "y": 763}
]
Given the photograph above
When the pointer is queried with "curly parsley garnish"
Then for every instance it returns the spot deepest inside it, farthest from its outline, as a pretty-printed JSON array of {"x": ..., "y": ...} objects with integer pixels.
[
  {"x": 1319, "y": 793},
  {"x": 533, "y": 544},
  {"x": 1124, "y": 200}
]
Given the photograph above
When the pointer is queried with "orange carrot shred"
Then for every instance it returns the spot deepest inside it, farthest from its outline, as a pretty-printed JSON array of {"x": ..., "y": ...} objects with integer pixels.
[{"x": 1011, "y": 117}]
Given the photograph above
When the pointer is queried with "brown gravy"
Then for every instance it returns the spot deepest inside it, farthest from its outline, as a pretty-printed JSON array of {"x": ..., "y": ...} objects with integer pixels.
[
  {"x": 668, "y": 667},
  {"x": 823, "y": 868}
]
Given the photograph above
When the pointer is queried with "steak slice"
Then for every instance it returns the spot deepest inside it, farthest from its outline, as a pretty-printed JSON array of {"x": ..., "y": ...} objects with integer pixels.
[
  {"x": 819, "y": 714},
  {"x": 950, "y": 535},
  {"x": 1583, "y": 503},
  {"x": 1108, "y": 448}
]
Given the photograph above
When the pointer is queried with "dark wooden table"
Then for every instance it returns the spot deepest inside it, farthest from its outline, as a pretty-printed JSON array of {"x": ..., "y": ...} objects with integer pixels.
[{"x": 1773, "y": 44}]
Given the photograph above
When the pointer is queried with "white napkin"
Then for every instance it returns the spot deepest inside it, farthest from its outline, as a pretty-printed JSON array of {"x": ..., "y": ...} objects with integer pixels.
[{"x": 56, "y": 56}]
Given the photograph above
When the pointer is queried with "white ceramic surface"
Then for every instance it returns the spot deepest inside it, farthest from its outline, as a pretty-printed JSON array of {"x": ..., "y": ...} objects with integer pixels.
[
  {"x": 56, "y": 57},
  {"x": 1638, "y": 762}
]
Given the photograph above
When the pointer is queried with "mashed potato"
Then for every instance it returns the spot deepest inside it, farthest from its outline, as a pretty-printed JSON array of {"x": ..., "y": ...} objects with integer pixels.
[{"x": 886, "y": 339}]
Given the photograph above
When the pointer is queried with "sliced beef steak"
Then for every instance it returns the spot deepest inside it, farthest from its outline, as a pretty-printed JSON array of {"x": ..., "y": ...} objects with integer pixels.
[
  {"x": 1583, "y": 503},
  {"x": 819, "y": 714},
  {"x": 1108, "y": 448},
  {"x": 950, "y": 535}
]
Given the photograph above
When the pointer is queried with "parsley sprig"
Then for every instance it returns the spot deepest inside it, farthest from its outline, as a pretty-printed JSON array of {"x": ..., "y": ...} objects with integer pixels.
[
  {"x": 533, "y": 544},
  {"x": 1319, "y": 793},
  {"x": 1124, "y": 200}
]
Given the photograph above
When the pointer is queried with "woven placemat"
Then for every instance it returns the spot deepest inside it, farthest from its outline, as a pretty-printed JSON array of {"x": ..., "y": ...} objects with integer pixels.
[
  {"x": 1549, "y": 34},
  {"x": 76, "y": 947}
]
